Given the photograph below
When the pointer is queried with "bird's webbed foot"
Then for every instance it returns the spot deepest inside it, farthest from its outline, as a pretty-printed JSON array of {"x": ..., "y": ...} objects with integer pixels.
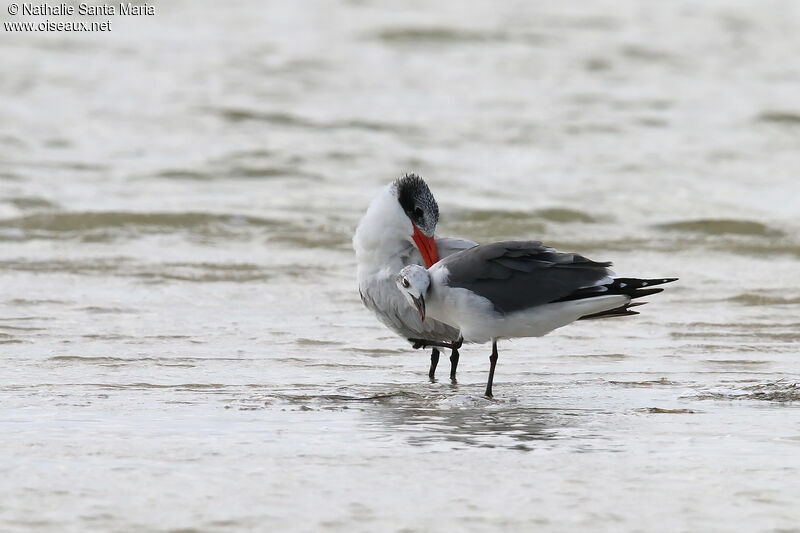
[{"x": 423, "y": 343}]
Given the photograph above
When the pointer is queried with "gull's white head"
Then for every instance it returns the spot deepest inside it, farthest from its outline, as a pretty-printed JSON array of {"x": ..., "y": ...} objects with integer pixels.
[
  {"x": 405, "y": 211},
  {"x": 413, "y": 281}
]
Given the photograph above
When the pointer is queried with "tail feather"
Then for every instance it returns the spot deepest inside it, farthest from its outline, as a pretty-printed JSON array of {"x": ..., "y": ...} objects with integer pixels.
[{"x": 631, "y": 287}]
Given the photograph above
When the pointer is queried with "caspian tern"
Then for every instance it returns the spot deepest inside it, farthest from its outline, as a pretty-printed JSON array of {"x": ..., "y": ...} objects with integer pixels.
[
  {"x": 398, "y": 230},
  {"x": 514, "y": 289}
]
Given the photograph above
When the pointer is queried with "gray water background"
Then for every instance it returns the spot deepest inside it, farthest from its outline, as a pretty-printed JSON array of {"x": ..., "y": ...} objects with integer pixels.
[{"x": 182, "y": 347}]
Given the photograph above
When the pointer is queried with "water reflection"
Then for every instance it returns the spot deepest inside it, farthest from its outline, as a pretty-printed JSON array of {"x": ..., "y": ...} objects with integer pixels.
[
  {"x": 443, "y": 419},
  {"x": 480, "y": 426}
]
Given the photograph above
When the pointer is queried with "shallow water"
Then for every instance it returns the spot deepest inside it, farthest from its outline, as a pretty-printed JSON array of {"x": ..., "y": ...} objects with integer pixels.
[{"x": 183, "y": 347}]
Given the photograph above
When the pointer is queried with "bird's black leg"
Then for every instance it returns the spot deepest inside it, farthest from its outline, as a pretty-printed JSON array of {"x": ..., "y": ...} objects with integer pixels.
[
  {"x": 434, "y": 362},
  {"x": 453, "y": 364},
  {"x": 492, "y": 364},
  {"x": 422, "y": 343}
]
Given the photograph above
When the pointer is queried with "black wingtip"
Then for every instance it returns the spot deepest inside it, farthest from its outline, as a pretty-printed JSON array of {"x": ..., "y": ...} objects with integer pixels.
[
  {"x": 612, "y": 313},
  {"x": 638, "y": 293},
  {"x": 628, "y": 285},
  {"x": 631, "y": 287}
]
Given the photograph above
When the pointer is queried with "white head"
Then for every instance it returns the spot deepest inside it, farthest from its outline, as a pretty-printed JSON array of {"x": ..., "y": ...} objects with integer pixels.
[
  {"x": 405, "y": 211},
  {"x": 413, "y": 281}
]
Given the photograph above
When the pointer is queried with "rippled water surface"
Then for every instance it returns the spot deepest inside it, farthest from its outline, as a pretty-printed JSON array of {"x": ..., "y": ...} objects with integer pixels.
[{"x": 183, "y": 346}]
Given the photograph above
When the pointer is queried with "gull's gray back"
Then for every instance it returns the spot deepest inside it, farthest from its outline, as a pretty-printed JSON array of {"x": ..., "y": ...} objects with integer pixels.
[{"x": 516, "y": 275}]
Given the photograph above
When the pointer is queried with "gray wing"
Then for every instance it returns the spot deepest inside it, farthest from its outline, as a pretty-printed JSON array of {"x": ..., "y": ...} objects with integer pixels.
[
  {"x": 447, "y": 246},
  {"x": 516, "y": 275},
  {"x": 381, "y": 296}
]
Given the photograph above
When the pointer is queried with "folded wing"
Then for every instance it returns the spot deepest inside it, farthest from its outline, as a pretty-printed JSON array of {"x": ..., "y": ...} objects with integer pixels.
[{"x": 516, "y": 275}]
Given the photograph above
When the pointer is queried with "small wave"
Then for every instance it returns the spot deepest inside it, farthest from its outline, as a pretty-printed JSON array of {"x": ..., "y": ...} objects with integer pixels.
[
  {"x": 106, "y": 310},
  {"x": 438, "y": 35},
  {"x": 744, "y": 363},
  {"x": 377, "y": 351},
  {"x": 487, "y": 215},
  {"x": 329, "y": 236},
  {"x": 549, "y": 214},
  {"x": 752, "y": 298},
  {"x": 597, "y": 64},
  {"x": 373, "y": 398},
  {"x": 25, "y": 301},
  {"x": 747, "y": 326},
  {"x": 77, "y": 221},
  {"x": 786, "y": 118},
  {"x": 21, "y": 318},
  {"x": 103, "y": 226},
  {"x": 6, "y": 338},
  {"x": 584, "y": 22},
  {"x": 642, "y": 104},
  {"x": 72, "y": 267},
  {"x": 316, "y": 342},
  {"x": 661, "y": 410},
  {"x": 652, "y": 122},
  {"x": 151, "y": 272},
  {"x": 645, "y": 54},
  {"x": 107, "y": 336},
  {"x": 753, "y": 332},
  {"x": 183, "y": 174},
  {"x": 485, "y": 224},
  {"x": 564, "y": 215},
  {"x": 280, "y": 118},
  {"x": 260, "y": 153},
  {"x": 602, "y": 356},
  {"x": 20, "y": 328},
  {"x": 10, "y": 176},
  {"x": 266, "y": 171},
  {"x": 31, "y": 202},
  {"x": 313, "y": 402},
  {"x": 490, "y": 224},
  {"x": 176, "y": 386},
  {"x": 721, "y": 226},
  {"x": 586, "y": 128},
  {"x": 652, "y": 383},
  {"x": 340, "y": 366},
  {"x": 781, "y": 391},
  {"x": 120, "y": 361},
  {"x": 94, "y": 359},
  {"x": 204, "y": 272},
  {"x": 11, "y": 140},
  {"x": 760, "y": 249},
  {"x": 290, "y": 120}
]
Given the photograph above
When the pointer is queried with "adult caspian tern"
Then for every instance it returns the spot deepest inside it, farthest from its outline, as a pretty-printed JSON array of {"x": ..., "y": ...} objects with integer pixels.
[
  {"x": 517, "y": 289},
  {"x": 398, "y": 230}
]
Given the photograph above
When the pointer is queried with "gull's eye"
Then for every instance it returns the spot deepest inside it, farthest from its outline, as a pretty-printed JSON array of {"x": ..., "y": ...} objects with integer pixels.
[
  {"x": 406, "y": 284},
  {"x": 418, "y": 212}
]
